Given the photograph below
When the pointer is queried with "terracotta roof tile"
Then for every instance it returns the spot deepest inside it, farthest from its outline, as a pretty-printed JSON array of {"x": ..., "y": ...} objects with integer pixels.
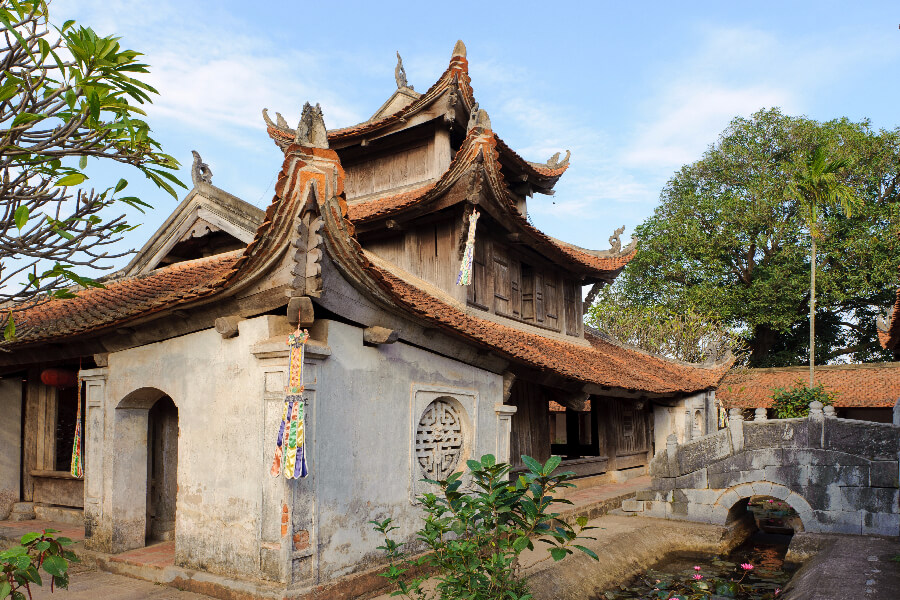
[
  {"x": 373, "y": 209},
  {"x": 122, "y": 300},
  {"x": 865, "y": 385}
]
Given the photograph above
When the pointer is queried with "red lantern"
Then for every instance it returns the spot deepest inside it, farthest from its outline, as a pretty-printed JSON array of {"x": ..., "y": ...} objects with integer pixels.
[{"x": 59, "y": 378}]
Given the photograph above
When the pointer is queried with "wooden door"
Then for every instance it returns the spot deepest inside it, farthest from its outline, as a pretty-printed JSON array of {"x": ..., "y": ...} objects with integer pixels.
[{"x": 162, "y": 469}]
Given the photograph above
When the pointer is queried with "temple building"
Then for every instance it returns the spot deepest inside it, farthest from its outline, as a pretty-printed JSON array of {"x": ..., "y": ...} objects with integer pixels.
[{"x": 442, "y": 326}]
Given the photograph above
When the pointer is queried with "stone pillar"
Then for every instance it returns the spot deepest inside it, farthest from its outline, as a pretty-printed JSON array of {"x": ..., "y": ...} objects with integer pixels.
[
  {"x": 11, "y": 443},
  {"x": 897, "y": 412},
  {"x": 504, "y": 430},
  {"x": 829, "y": 411},
  {"x": 672, "y": 453},
  {"x": 736, "y": 428},
  {"x": 760, "y": 415},
  {"x": 92, "y": 446},
  {"x": 816, "y": 425}
]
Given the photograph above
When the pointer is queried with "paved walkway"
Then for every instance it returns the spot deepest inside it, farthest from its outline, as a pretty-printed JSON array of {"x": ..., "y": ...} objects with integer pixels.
[
  {"x": 10, "y": 530},
  {"x": 97, "y": 585}
]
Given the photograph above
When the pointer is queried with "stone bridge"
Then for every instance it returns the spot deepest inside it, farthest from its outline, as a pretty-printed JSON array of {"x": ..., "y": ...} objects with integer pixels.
[{"x": 840, "y": 475}]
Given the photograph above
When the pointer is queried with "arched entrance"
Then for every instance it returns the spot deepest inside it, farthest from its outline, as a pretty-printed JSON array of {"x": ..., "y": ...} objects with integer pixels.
[
  {"x": 145, "y": 469},
  {"x": 162, "y": 469}
]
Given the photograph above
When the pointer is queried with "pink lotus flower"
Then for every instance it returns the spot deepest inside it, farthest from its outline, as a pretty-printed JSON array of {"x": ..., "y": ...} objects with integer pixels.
[
  {"x": 747, "y": 566},
  {"x": 770, "y": 501},
  {"x": 698, "y": 577},
  {"x": 696, "y": 567}
]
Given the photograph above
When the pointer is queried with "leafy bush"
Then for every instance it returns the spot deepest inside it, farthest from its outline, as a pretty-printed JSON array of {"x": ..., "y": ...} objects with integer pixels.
[
  {"x": 473, "y": 539},
  {"x": 21, "y": 564},
  {"x": 791, "y": 403}
]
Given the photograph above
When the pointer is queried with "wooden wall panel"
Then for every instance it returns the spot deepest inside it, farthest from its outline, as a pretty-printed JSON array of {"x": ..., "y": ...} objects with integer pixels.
[
  {"x": 570, "y": 308},
  {"x": 40, "y": 431},
  {"x": 391, "y": 249},
  {"x": 502, "y": 285},
  {"x": 531, "y": 423},
  {"x": 389, "y": 171},
  {"x": 551, "y": 301}
]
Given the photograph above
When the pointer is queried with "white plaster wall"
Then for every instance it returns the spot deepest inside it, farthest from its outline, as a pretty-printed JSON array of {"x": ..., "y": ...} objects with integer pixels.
[
  {"x": 10, "y": 443},
  {"x": 217, "y": 386},
  {"x": 678, "y": 419},
  {"x": 364, "y": 419}
]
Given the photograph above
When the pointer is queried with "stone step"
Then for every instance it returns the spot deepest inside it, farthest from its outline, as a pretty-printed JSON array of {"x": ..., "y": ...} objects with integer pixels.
[
  {"x": 60, "y": 514},
  {"x": 22, "y": 511}
]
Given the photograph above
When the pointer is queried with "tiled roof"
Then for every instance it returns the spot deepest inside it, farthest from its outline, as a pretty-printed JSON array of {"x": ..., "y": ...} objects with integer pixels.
[
  {"x": 865, "y": 385},
  {"x": 387, "y": 205},
  {"x": 123, "y": 300}
]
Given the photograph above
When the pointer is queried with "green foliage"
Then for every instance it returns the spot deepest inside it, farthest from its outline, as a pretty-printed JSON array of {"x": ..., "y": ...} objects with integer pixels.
[
  {"x": 792, "y": 403},
  {"x": 473, "y": 538},
  {"x": 21, "y": 565},
  {"x": 690, "y": 336},
  {"x": 67, "y": 94},
  {"x": 728, "y": 242}
]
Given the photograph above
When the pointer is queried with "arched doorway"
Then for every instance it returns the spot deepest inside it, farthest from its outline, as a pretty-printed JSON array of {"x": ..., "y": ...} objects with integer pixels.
[
  {"x": 162, "y": 469},
  {"x": 142, "y": 505}
]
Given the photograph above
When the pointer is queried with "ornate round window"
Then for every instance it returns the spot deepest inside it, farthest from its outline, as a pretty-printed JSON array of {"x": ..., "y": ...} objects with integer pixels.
[{"x": 439, "y": 439}]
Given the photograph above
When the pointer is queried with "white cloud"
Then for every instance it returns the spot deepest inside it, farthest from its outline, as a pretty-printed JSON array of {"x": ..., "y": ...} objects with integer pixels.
[{"x": 689, "y": 118}]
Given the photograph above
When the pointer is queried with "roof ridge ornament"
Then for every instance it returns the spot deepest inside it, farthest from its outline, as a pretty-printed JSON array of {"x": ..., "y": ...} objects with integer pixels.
[
  {"x": 311, "y": 130},
  {"x": 459, "y": 49},
  {"x": 555, "y": 163},
  {"x": 478, "y": 118},
  {"x": 200, "y": 171},
  {"x": 400, "y": 74},
  {"x": 614, "y": 242}
]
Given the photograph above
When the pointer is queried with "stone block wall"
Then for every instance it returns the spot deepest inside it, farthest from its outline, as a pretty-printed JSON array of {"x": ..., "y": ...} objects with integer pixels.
[{"x": 841, "y": 476}]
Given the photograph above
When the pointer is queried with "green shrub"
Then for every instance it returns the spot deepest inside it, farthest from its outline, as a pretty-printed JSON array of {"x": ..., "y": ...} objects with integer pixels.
[
  {"x": 21, "y": 565},
  {"x": 473, "y": 539},
  {"x": 791, "y": 403}
]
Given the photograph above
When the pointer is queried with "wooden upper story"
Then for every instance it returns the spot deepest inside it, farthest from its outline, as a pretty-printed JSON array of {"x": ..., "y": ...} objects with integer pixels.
[{"x": 414, "y": 174}]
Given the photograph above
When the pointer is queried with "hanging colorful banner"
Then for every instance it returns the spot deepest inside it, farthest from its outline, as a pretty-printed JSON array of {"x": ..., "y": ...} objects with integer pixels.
[
  {"x": 290, "y": 445},
  {"x": 77, "y": 467},
  {"x": 465, "y": 267}
]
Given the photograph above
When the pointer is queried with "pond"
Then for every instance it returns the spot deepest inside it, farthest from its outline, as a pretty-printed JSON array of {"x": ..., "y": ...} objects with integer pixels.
[{"x": 755, "y": 570}]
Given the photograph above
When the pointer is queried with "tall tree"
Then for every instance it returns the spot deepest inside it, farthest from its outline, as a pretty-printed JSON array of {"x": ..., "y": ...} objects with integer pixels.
[
  {"x": 817, "y": 187},
  {"x": 67, "y": 95},
  {"x": 727, "y": 240}
]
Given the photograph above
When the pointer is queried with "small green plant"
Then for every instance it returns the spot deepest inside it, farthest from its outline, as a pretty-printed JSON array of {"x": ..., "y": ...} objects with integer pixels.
[
  {"x": 472, "y": 539},
  {"x": 792, "y": 403},
  {"x": 21, "y": 564}
]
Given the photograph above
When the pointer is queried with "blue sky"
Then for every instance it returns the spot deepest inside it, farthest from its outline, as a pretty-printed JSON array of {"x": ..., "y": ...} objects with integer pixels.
[{"x": 634, "y": 90}]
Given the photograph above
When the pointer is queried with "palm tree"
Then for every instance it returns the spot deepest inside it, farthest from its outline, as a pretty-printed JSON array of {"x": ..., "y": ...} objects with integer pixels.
[{"x": 818, "y": 187}]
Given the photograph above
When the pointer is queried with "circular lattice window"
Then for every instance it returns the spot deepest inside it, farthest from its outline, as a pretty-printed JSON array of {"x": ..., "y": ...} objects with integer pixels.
[{"x": 439, "y": 439}]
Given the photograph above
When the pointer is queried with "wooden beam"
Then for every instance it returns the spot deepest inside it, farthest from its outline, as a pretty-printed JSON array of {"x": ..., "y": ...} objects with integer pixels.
[
  {"x": 377, "y": 335},
  {"x": 227, "y": 327},
  {"x": 300, "y": 311}
]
